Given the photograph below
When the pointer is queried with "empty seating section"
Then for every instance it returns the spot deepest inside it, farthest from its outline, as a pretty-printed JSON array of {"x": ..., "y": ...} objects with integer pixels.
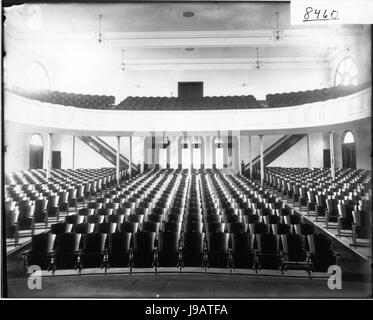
[
  {"x": 289, "y": 99},
  {"x": 343, "y": 203},
  {"x": 203, "y": 103},
  {"x": 68, "y": 99},
  {"x": 32, "y": 201},
  {"x": 179, "y": 219}
]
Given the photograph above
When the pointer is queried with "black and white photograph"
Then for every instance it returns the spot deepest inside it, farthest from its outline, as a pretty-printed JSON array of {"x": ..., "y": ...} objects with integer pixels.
[{"x": 186, "y": 150}]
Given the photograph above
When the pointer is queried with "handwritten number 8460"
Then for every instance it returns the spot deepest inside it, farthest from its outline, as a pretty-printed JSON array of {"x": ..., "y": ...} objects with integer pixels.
[{"x": 315, "y": 14}]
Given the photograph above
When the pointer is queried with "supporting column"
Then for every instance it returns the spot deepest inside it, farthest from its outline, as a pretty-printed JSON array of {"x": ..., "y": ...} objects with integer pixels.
[
  {"x": 332, "y": 160},
  {"x": 191, "y": 152},
  {"x": 73, "y": 152},
  {"x": 117, "y": 175},
  {"x": 250, "y": 159},
  {"x": 238, "y": 153},
  {"x": 153, "y": 150},
  {"x": 208, "y": 153},
  {"x": 49, "y": 154},
  {"x": 261, "y": 160},
  {"x": 130, "y": 158},
  {"x": 308, "y": 150}
]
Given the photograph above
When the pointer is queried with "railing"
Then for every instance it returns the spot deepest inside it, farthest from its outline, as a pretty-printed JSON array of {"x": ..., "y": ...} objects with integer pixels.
[{"x": 283, "y": 120}]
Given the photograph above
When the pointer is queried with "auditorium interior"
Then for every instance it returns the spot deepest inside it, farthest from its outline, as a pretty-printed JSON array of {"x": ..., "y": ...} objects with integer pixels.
[{"x": 185, "y": 150}]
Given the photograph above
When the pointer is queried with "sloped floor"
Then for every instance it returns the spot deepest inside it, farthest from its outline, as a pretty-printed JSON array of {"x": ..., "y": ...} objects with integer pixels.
[{"x": 184, "y": 286}]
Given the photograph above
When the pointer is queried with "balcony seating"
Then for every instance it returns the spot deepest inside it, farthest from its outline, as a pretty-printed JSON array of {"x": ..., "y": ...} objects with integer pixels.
[{"x": 289, "y": 99}]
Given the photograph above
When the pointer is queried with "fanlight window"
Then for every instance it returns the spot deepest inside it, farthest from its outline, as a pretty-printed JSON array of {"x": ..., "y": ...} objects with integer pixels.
[
  {"x": 37, "y": 77},
  {"x": 348, "y": 137},
  {"x": 346, "y": 73},
  {"x": 37, "y": 140}
]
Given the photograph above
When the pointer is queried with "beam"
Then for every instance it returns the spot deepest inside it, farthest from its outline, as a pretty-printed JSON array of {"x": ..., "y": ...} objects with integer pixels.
[
  {"x": 332, "y": 160},
  {"x": 261, "y": 150}
]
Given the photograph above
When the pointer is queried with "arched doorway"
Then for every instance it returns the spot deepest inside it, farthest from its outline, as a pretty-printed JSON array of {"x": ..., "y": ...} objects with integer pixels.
[
  {"x": 36, "y": 151},
  {"x": 348, "y": 150}
]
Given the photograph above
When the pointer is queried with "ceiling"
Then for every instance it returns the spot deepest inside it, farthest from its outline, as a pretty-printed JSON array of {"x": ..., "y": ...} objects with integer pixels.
[{"x": 151, "y": 32}]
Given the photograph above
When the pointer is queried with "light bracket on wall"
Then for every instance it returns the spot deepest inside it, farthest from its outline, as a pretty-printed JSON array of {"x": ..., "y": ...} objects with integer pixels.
[
  {"x": 100, "y": 37},
  {"x": 123, "y": 65},
  {"x": 277, "y": 33},
  {"x": 258, "y": 63}
]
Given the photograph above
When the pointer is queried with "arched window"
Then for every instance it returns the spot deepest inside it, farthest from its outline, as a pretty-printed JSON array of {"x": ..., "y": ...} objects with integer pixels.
[
  {"x": 346, "y": 73},
  {"x": 36, "y": 151},
  {"x": 36, "y": 140},
  {"x": 36, "y": 77},
  {"x": 348, "y": 150},
  {"x": 348, "y": 137}
]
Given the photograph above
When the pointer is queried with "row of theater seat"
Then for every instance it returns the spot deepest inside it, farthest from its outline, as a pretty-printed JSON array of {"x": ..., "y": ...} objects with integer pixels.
[
  {"x": 203, "y": 103},
  {"x": 31, "y": 199},
  {"x": 343, "y": 203},
  {"x": 302, "y": 97},
  {"x": 68, "y": 99},
  {"x": 175, "y": 219}
]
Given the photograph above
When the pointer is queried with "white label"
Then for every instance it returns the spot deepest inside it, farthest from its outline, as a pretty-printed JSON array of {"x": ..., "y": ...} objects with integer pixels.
[{"x": 311, "y": 12}]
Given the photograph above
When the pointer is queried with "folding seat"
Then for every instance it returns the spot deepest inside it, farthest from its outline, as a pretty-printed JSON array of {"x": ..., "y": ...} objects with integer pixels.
[
  {"x": 129, "y": 227},
  {"x": 320, "y": 210},
  {"x": 63, "y": 201},
  {"x": 345, "y": 218},
  {"x": 293, "y": 253},
  {"x": 294, "y": 221},
  {"x": 74, "y": 219},
  {"x": 193, "y": 218},
  {"x": 41, "y": 213},
  {"x": 95, "y": 205},
  {"x": 134, "y": 218},
  {"x": 120, "y": 251},
  {"x": 150, "y": 226},
  {"x": 26, "y": 216},
  {"x": 168, "y": 252},
  {"x": 144, "y": 249},
  {"x": 94, "y": 253},
  {"x": 154, "y": 218},
  {"x": 105, "y": 211},
  {"x": 84, "y": 228},
  {"x": 11, "y": 222},
  {"x": 141, "y": 211},
  {"x": 41, "y": 251},
  {"x": 213, "y": 218},
  {"x": 331, "y": 212},
  {"x": 323, "y": 256},
  {"x": 236, "y": 227},
  {"x": 361, "y": 228},
  {"x": 53, "y": 208},
  {"x": 106, "y": 227},
  {"x": 242, "y": 249},
  {"x": 273, "y": 221},
  {"x": 217, "y": 250},
  {"x": 193, "y": 249},
  {"x": 251, "y": 221},
  {"x": 86, "y": 212},
  {"x": 267, "y": 253},
  {"x": 172, "y": 226},
  {"x": 61, "y": 227},
  {"x": 67, "y": 251},
  {"x": 311, "y": 201},
  {"x": 73, "y": 196}
]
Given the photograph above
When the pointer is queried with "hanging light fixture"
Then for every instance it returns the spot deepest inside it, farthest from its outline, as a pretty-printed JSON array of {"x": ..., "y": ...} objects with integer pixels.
[
  {"x": 100, "y": 37},
  {"x": 123, "y": 64},
  {"x": 277, "y": 33},
  {"x": 258, "y": 62}
]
